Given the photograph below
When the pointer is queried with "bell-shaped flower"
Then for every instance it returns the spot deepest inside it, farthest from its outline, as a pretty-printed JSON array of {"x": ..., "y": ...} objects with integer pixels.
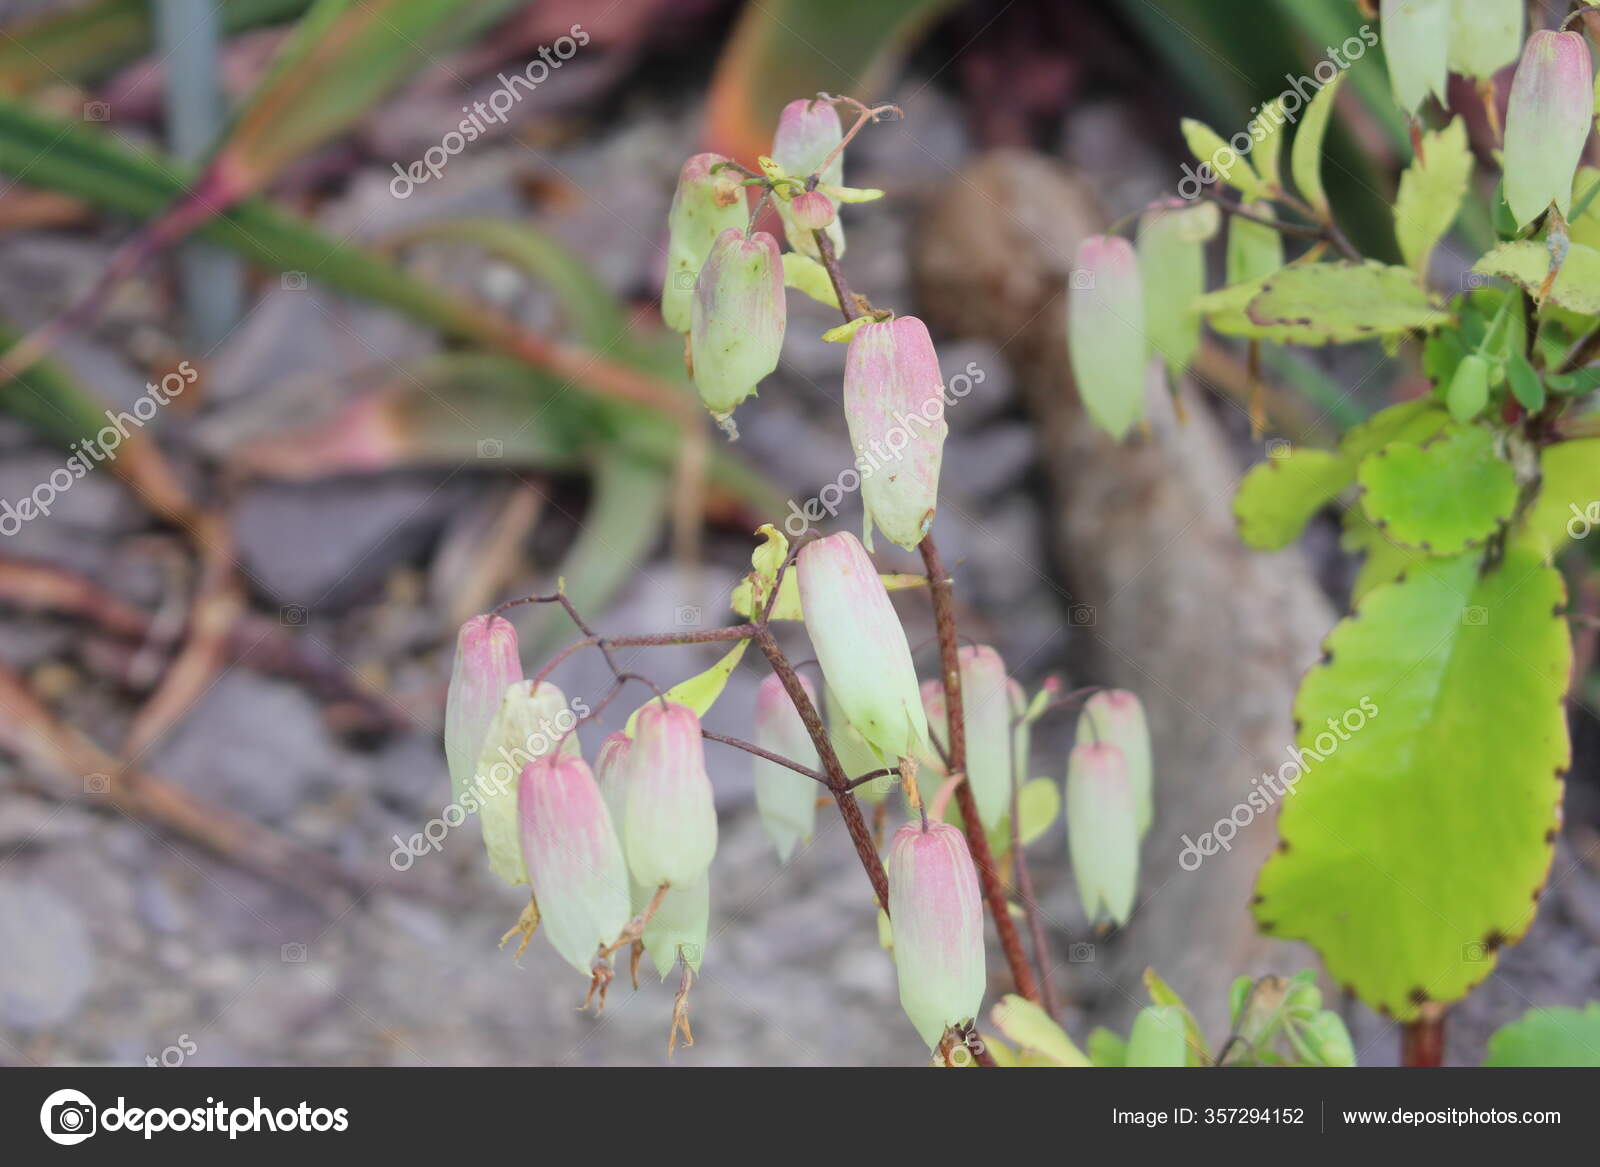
[
  {"x": 936, "y": 918},
  {"x": 787, "y": 801},
  {"x": 1108, "y": 348},
  {"x": 486, "y": 664},
  {"x": 680, "y": 926},
  {"x": 574, "y": 858},
  {"x": 528, "y": 725},
  {"x": 1416, "y": 45},
  {"x": 1547, "y": 123},
  {"x": 865, "y": 659},
  {"x": 894, "y": 406},
  {"x": 737, "y": 319},
  {"x": 808, "y": 131},
  {"x": 670, "y": 824},
  {"x": 1102, "y": 831},
  {"x": 705, "y": 204},
  {"x": 1485, "y": 36},
  {"x": 1117, "y": 716},
  {"x": 986, "y": 702}
]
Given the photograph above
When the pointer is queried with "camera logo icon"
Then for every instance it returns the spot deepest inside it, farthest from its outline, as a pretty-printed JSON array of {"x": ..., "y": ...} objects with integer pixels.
[
  {"x": 1080, "y": 279},
  {"x": 1278, "y": 448},
  {"x": 294, "y": 281},
  {"x": 292, "y": 615},
  {"x": 1475, "y": 617},
  {"x": 1082, "y": 615},
  {"x": 491, "y": 448},
  {"x": 1081, "y": 953},
  {"x": 684, "y": 281},
  {"x": 97, "y": 783},
  {"x": 96, "y": 111},
  {"x": 687, "y": 616},
  {"x": 68, "y": 1117},
  {"x": 293, "y": 953}
]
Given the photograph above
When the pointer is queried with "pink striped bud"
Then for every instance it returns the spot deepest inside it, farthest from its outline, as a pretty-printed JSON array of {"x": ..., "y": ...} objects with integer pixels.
[
  {"x": 986, "y": 702},
  {"x": 527, "y": 726},
  {"x": 807, "y": 133},
  {"x": 938, "y": 717},
  {"x": 894, "y": 406},
  {"x": 574, "y": 859},
  {"x": 704, "y": 205},
  {"x": 1547, "y": 123},
  {"x": 486, "y": 662},
  {"x": 738, "y": 318},
  {"x": 1108, "y": 348},
  {"x": 812, "y": 210},
  {"x": 1117, "y": 716},
  {"x": 937, "y": 921},
  {"x": 862, "y": 648},
  {"x": 670, "y": 827},
  {"x": 787, "y": 801},
  {"x": 610, "y": 774},
  {"x": 1102, "y": 831}
]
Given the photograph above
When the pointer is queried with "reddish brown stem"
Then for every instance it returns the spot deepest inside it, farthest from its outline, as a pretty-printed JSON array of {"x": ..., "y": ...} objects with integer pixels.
[
  {"x": 994, "y": 893},
  {"x": 1422, "y": 1042}
]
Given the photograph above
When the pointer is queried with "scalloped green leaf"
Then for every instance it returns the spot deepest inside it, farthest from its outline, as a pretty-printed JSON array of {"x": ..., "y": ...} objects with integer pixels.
[
  {"x": 1431, "y": 190},
  {"x": 1432, "y": 800},
  {"x": 1527, "y": 264},
  {"x": 1278, "y": 497},
  {"x": 1568, "y": 504},
  {"x": 1548, "y": 1037},
  {"x": 1384, "y": 561},
  {"x": 1442, "y": 497},
  {"x": 1334, "y": 303}
]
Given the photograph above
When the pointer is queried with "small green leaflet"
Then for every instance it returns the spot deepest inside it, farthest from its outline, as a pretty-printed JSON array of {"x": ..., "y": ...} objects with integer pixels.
[
  {"x": 1034, "y": 1032},
  {"x": 1568, "y": 505},
  {"x": 1255, "y": 250},
  {"x": 1442, "y": 497},
  {"x": 1305, "y": 156},
  {"x": 1434, "y": 807},
  {"x": 1527, "y": 264},
  {"x": 1430, "y": 195},
  {"x": 805, "y": 274},
  {"x": 1209, "y": 148},
  {"x": 1279, "y": 496},
  {"x": 1525, "y": 383},
  {"x": 1548, "y": 1037},
  {"x": 700, "y": 692}
]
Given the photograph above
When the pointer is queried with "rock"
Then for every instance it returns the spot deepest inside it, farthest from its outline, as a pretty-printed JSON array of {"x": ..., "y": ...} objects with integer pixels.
[{"x": 49, "y": 960}]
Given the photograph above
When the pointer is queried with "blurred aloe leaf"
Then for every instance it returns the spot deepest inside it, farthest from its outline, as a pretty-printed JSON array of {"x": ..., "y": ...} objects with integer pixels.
[
  {"x": 774, "y": 57},
  {"x": 344, "y": 57},
  {"x": 90, "y": 41}
]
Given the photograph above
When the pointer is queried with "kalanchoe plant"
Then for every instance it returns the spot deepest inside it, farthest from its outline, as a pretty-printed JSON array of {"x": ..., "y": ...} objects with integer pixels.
[{"x": 623, "y": 859}]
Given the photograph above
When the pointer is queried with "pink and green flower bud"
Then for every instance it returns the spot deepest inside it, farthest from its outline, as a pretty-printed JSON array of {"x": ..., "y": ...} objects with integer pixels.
[
  {"x": 705, "y": 205},
  {"x": 812, "y": 210},
  {"x": 865, "y": 659},
  {"x": 1117, "y": 716},
  {"x": 894, "y": 406},
  {"x": 737, "y": 319},
  {"x": 680, "y": 926},
  {"x": 1416, "y": 45},
  {"x": 486, "y": 663},
  {"x": 986, "y": 702},
  {"x": 1485, "y": 36},
  {"x": 526, "y": 727},
  {"x": 808, "y": 131},
  {"x": 937, "y": 922},
  {"x": 574, "y": 858},
  {"x": 1547, "y": 123},
  {"x": 1108, "y": 348},
  {"x": 937, "y": 714},
  {"x": 670, "y": 824},
  {"x": 787, "y": 801},
  {"x": 610, "y": 774},
  {"x": 1102, "y": 831}
]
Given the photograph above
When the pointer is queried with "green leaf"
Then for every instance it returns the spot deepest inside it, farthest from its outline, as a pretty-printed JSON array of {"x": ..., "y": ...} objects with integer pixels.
[
  {"x": 1164, "y": 996},
  {"x": 1032, "y": 1029},
  {"x": 1305, "y": 156},
  {"x": 1255, "y": 250},
  {"x": 1442, "y": 497},
  {"x": 1323, "y": 303},
  {"x": 1568, "y": 503},
  {"x": 1548, "y": 1037},
  {"x": 1107, "y": 1050},
  {"x": 1526, "y": 263},
  {"x": 1038, "y": 807},
  {"x": 699, "y": 692},
  {"x": 1208, "y": 147},
  {"x": 844, "y": 333},
  {"x": 1383, "y": 561},
  {"x": 1158, "y": 1037},
  {"x": 1431, "y": 191},
  {"x": 806, "y": 275},
  {"x": 1272, "y": 125},
  {"x": 1279, "y": 496},
  {"x": 1525, "y": 383},
  {"x": 1432, "y": 811}
]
